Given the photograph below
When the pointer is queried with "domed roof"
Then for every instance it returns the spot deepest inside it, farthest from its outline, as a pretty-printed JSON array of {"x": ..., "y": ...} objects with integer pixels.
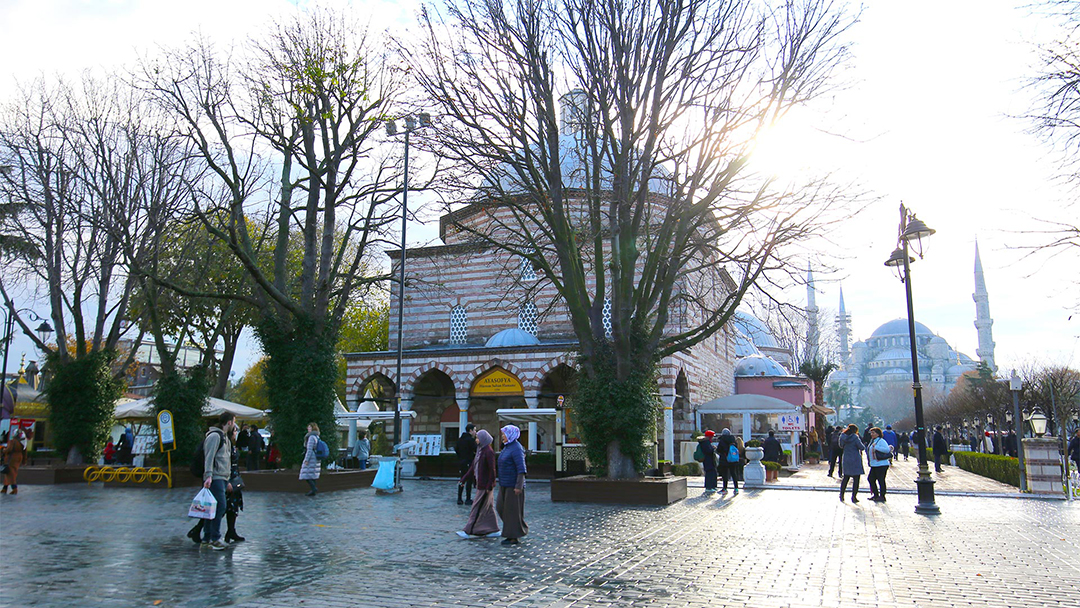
[
  {"x": 506, "y": 179},
  {"x": 759, "y": 365},
  {"x": 894, "y": 354},
  {"x": 511, "y": 337},
  {"x": 938, "y": 340},
  {"x": 743, "y": 346},
  {"x": 754, "y": 329},
  {"x": 899, "y": 327}
]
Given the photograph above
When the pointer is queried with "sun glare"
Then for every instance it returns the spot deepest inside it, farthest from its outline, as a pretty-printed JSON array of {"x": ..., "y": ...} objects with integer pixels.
[{"x": 786, "y": 148}]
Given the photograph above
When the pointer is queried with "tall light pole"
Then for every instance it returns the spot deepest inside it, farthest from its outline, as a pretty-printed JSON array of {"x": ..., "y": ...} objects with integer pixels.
[
  {"x": 412, "y": 123},
  {"x": 1015, "y": 385},
  {"x": 912, "y": 232}
]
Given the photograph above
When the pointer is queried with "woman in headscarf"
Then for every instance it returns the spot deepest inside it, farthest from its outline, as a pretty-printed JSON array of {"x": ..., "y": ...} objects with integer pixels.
[
  {"x": 482, "y": 520},
  {"x": 511, "y": 502},
  {"x": 14, "y": 455},
  {"x": 310, "y": 468}
]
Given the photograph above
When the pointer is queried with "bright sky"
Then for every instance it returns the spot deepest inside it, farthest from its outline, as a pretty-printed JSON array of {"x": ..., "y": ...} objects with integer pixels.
[{"x": 926, "y": 118}]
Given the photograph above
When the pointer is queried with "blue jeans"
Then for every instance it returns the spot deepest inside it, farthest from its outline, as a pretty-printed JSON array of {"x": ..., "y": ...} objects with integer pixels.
[
  {"x": 363, "y": 463},
  {"x": 212, "y": 529}
]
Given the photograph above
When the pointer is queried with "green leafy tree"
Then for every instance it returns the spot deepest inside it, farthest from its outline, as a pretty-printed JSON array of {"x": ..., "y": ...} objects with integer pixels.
[
  {"x": 251, "y": 389},
  {"x": 82, "y": 395},
  {"x": 364, "y": 328}
]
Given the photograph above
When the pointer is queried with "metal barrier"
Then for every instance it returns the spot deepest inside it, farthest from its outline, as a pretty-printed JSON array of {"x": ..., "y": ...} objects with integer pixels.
[{"x": 126, "y": 474}]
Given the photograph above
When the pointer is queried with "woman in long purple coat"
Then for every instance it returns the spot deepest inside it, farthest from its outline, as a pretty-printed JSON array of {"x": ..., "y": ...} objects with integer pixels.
[{"x": 482, "y": 521}]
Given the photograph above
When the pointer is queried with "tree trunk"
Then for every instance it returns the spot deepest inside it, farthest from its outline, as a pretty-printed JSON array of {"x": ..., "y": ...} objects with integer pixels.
[
  {"x": 620, "y": 466},
  {"x": 74, "y": 456}
]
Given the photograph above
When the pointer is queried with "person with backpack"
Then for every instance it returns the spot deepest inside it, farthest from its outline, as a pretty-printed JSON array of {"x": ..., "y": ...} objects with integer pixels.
[
  {"x": 706, "y": 455},
  {"x": 905, "y": 446},
  {"x": 314, "y": 451},
  {"x": 728, "y": 453},
  {"x": 216, "y": 471},
  {"x": 234, "y": 500},
  {"x": 879, "y": 455}
]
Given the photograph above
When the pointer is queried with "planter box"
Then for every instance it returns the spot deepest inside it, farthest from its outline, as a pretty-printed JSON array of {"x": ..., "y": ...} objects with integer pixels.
[
  {"x": 41, "y": 475},
  {"x": 288, "y": 480},
  {"x": 644, "y": 491},
  {"x": 771, "y": 475}
]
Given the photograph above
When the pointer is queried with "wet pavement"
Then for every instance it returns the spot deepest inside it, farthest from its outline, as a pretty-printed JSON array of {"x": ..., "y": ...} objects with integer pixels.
[{"x": 88, "y": 546}]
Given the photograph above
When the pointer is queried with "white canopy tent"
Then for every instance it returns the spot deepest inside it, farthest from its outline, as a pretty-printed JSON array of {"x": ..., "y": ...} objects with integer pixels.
[{"x": 144, "y": 409}]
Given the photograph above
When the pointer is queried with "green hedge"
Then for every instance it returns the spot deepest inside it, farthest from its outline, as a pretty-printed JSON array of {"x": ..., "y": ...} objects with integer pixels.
[
  {"x": 1001, "y": 468},
  {"x": 771, "y": 466},
  {"x": 690, "y": 469}
]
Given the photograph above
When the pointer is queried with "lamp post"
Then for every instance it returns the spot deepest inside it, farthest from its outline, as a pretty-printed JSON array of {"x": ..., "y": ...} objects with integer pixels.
[
  {"x": 42, "y": 330},
  {"x": 412, "y": 123},
  {"x": 1015, "y": 385},
  {"x": 1037, "y": 420},
  {"x": 911, "y": 233}
]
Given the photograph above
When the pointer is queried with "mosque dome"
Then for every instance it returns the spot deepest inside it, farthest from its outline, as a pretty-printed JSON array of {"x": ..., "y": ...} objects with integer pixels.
[
  {"x": 511, "y": 337},
  {"x": 937, "y": 340},
  {"x": 899, "y": 327},
  {"x": 759, "y": 365},
  {"x": 752, "y": 327}
]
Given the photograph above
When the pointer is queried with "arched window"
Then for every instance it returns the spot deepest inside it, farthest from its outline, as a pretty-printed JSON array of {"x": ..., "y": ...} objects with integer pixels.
[
  {"x": 527, "y": 318},
  {"x": 459, "y": 325}
]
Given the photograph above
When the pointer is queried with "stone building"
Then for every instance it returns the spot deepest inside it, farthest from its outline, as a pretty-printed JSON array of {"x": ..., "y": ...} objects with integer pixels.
[{"x": 484, "y": 331}]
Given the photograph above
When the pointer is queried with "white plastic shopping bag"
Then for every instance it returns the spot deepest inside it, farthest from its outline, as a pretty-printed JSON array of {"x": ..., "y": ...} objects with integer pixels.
[{"x": 204, "y": 506}]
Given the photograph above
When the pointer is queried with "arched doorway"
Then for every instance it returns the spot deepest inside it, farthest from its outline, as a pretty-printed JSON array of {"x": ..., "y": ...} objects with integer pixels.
[
  {"x": 495, "y": 389},
  {"x": 433, "y": 394},
  {"x": 450, "y": 426},
  {"x": 558, "y": 382}
]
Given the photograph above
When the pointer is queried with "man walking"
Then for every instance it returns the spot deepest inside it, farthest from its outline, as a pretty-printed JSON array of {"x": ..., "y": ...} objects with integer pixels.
[
  {"x": 891, "y": 438},
  {"x": 904, "y": 444},
  {"x": 773, "y": 451},
  {"x": 835, "y": 452},
  {"x": 466, "y": 451},
  {"x": 940, "y": 448},
  {"x": 217, "y": 468}
]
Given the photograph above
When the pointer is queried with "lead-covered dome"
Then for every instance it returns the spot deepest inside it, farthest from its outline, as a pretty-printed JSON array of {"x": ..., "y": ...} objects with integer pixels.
[
  {"x": 759, "y": 365},
  {"x": 511, "y": 337},
  {"x": 899, "y": 327}
]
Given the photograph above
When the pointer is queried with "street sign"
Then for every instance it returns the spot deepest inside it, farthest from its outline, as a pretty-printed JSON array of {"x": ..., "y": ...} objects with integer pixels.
[
  {"x": 792, "y": 422},
  {"x": 165, "y": 431}
]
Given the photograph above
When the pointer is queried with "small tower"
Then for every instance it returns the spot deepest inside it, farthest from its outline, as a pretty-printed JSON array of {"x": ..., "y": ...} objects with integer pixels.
[
  {"x": 812, "y": 333},
  {"x": 843, "y": 327},
  {"x": 983, "y": 322}
]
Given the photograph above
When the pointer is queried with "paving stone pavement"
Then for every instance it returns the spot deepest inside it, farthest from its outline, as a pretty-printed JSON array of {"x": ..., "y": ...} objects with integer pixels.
[{"x": 88, "y": 546}]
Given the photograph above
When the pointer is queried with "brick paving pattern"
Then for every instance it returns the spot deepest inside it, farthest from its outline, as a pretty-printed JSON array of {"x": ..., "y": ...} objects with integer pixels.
[
  {"x": 86, "y": 546},
  {"x": 901, "y": 477}
]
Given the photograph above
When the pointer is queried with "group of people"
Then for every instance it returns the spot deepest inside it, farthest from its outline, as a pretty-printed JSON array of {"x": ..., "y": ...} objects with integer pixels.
[
  {"x": 879, "y": 454},
  {"x": 221, "y": 475},
  {"x": 724, "y": 460},
  {"x": 479, "y": 466}
]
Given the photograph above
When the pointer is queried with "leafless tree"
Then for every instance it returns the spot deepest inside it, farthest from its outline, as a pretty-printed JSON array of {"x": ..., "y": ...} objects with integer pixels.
[{"x": 642, "y": 193}]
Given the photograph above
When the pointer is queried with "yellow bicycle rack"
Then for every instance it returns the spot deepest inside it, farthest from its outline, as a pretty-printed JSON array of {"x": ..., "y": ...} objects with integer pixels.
[{"x": 126, "y": 474}]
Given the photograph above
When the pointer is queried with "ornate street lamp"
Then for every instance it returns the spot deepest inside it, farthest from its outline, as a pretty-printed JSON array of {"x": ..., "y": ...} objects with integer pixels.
[
  {"x": 1037, "y": 420},
  {"x": 911, "y": 234}
]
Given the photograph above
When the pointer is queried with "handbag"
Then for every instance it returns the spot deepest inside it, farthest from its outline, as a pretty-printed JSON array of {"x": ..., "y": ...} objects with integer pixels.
[
  {"x": 879, "y": 454},
  {"x": 699, "y": 455}
]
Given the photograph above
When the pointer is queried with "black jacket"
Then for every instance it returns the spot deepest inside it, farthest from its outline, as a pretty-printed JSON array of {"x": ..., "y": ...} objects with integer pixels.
[
  {"x": 940, "y": 447},
  {"x": 773, "y": 450},
  {"x": 465, "y": 449},
  {"x": 723, "y": 446},
  {"x": 255, "y": 442},
  {"x": 706, "y": 446}
]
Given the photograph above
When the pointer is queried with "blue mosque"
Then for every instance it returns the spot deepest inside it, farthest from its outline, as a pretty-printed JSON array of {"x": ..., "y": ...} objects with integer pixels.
[{"x": 884, "y": 359}]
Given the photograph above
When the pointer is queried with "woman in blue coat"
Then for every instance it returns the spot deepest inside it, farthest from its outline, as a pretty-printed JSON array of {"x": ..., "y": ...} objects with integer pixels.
[
  {"x": 853, "y": 448},
  {"x": 511, "y": 501}
]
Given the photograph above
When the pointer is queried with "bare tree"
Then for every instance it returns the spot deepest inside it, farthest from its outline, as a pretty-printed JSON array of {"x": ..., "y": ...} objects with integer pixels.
[
  {"x": 309, "y": 96},
  {"x": 642, "y": 196}
]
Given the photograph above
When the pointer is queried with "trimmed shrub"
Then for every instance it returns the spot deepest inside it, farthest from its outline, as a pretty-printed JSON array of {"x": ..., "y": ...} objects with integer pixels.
[
  {"x": 1002, "y": 468},
  {"x": 770, "y": 465},
  {"x": 753, "y": 443},
  {"x": 690, "y": 469}
]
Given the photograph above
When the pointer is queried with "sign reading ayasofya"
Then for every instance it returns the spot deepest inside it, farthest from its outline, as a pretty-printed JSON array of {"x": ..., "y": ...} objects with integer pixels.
[{"x": 497, "y": 382}]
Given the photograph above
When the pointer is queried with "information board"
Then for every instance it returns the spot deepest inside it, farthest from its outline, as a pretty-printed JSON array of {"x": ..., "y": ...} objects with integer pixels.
[{"x": 426, "y": 445}]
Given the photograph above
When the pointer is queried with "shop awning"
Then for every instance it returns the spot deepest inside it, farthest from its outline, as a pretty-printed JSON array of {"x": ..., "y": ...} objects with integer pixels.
[
  {"x": 144, "y": 409},
  {"x": 542, "y": 414}
]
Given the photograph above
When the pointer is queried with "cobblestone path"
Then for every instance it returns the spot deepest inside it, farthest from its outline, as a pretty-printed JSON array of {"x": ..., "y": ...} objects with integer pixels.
[{"x": 83, "y": 546}]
